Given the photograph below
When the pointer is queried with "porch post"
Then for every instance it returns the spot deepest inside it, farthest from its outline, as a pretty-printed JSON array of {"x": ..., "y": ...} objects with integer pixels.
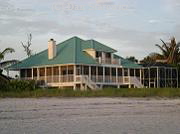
[
  {"x": 59, "y": 74},
  {"x": 32, "y": 74},
  {"x": 38, "y": 74},
  {"x": 90, "y": 72},
  {"x": 74, "y": 73},
  {"x": 110, "y": 69},
  {"x": 158, "y": 77},
  {"x": 52, "y": 74},
  {"x": 129, "y": 77},
  {"x": 123, "y": 74},
  {"x": 74, "y": 87},
  {"x": 45, "y": 75},
  {"x": 140, "y": 71},
  {"x": 96, "y": 74},
  {"x": 82, "y": 71},
  {"x": 67, "y": 73},
  {"x": 116, "y": 75},
  {"x": 103, "y": 74}
]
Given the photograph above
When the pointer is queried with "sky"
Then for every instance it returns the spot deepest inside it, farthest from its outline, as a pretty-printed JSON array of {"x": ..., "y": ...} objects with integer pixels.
[{"x": 133, "y": 27}]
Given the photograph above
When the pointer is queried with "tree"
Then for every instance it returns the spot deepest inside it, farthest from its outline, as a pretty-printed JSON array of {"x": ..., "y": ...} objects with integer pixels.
[
  {"x": 8, "y": 62},
  {"x": 27, "y": 47},
  {"x": 133, "y": 59},
  {"x": 170, "y": 53},
  {"x": 151, "y": 58},
  {"x": 5, "y": 64}
]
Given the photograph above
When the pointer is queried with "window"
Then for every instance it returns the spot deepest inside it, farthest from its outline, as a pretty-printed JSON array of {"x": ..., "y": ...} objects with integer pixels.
[
  {"x": 119, "y": 71},
  {"x": 55, "y": 70},
  {"x": 98, "y": 54},
  {"x": 108, "y": 55},
  {"x": 125, "y": 72}
]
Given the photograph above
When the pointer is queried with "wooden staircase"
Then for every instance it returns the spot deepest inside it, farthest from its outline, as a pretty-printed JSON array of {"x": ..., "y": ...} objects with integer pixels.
[
  {"x": 134, "y": 81},
  {"x": 92, "y": 85}
]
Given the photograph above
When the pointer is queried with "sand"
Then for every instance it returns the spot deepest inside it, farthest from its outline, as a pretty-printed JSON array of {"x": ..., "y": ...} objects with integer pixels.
[{"x": 89, "y": 116}]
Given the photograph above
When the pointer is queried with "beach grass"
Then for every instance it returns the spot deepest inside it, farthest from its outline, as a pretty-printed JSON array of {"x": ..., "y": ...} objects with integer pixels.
[{"x": 109, "y": 92}]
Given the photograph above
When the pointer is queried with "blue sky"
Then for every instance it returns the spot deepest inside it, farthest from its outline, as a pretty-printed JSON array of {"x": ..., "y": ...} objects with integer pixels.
[{"x": 133, "y": 27}]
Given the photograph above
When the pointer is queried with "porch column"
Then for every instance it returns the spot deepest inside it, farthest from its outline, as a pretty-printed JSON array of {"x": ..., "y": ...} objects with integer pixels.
[
  {"x": 32, "y": 74},
  {"x": 74, "y": 87},
  {"x": 116, "y": 75},
  {"x": 103, "y": 74},
  {"x": 67, "y": 73},
  {"x": 140, "y": 75},
  {"x": 128, "y": 71},
  {"x": 110, "y": 69},
  {"x": 45, "y": 75},
  {"x": 38, "y": 75},
  {"x": 123, "y": 74},
  {"x": 74, "y": 73},
  {"x": 158, "y": 77},
  {"x": 90, "y": 72},
  {"x": 52, "y": 74},
  {"x": 82, "y": 71},
  {"x": 96, "y": 74},
  {"x": 59, "y": 74},
  {"x": 103, "y": 57},
  {"x": 129, "y": 77}
]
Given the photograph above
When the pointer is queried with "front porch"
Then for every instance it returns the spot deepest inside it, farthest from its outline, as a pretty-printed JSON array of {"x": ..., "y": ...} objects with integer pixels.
[{"x": 83, "y": 76}]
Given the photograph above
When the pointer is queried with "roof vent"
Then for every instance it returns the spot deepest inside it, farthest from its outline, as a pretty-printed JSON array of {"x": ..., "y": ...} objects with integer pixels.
[{"x": 51, "y": 49}]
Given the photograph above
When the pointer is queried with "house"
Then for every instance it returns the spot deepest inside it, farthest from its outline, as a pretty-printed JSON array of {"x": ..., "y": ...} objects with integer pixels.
[{"x": 82, "y": 64}]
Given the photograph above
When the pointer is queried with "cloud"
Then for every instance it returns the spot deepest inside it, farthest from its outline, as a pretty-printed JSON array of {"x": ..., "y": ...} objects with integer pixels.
[
  {"x": 171, "y": 5},
  {"x": 44, "y": 23},
  {"x": 105, "y": 2},
  {"x": 152, "y": 21}
]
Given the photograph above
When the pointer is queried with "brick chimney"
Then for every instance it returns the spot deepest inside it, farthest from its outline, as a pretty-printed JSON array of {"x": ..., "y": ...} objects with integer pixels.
[{"x": 51, "y": 49}]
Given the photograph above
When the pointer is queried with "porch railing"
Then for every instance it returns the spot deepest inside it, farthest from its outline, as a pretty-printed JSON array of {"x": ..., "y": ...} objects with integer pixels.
[
  {"x": 107, "y": 61},
  {"x": 93, "y": 78}
]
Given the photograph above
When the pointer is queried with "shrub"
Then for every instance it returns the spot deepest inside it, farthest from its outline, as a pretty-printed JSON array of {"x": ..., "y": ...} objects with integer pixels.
[
  {"x": 18, "y": 85},
  {"x": 22, "y": 85},
  {"x": 4, "y": 84}
]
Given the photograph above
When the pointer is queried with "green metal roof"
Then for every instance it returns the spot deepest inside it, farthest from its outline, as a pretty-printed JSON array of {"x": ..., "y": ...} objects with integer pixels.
[
  {"x": 68, "y": 52},
  {"x": 127, "y": 63},
  {"x": 99, "y": 46}
]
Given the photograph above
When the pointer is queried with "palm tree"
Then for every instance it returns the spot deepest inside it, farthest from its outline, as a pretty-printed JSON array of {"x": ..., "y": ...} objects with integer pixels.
[
  {"x": 170, "y": 53},
  {"x": 5, "y": 64}
]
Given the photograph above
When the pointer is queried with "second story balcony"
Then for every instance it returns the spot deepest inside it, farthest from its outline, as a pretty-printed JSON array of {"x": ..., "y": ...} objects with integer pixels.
[{"x": 108, "y": 61}]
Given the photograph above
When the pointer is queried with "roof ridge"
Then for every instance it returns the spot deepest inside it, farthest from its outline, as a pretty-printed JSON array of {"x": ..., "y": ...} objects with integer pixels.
[{"x": 95, "y": 41}]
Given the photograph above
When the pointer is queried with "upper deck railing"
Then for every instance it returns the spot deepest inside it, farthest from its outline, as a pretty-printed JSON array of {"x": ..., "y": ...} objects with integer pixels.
[{"x": 107, "y": 61}]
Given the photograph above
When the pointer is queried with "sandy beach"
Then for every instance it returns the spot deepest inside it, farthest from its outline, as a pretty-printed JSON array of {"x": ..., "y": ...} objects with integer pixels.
[{"x": 89, "y": 116}]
